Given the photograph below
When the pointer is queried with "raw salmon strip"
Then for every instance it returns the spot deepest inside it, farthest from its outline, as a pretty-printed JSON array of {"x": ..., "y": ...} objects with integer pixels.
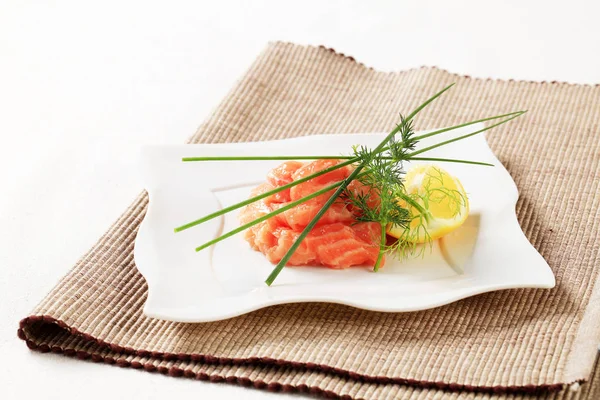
[{"x": 337, "y": 241}]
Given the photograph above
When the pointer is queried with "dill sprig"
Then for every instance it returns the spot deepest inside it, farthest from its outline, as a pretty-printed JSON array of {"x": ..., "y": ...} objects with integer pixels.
[
  {"x": 382, "y": 197},
  {"x": 377, "y": 199}
]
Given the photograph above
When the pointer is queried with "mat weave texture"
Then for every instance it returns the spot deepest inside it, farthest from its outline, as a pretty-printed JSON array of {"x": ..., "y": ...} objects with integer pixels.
[{"x": 513, "y": 343}]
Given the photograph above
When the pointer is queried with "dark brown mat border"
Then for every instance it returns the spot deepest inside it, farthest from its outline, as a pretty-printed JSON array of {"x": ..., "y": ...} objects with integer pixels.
[{"x": 29, "y": 322}]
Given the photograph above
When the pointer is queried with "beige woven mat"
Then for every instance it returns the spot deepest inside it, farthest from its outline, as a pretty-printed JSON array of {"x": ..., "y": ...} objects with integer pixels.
[{"x": 504, "y": 342}]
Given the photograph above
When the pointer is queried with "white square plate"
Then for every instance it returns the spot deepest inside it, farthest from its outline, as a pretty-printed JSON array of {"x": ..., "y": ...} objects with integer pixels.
[{"x": 228, "y": 279}]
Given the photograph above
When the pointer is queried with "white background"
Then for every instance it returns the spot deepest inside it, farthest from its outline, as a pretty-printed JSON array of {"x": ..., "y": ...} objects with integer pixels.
[{"x": 84, "y": 84}]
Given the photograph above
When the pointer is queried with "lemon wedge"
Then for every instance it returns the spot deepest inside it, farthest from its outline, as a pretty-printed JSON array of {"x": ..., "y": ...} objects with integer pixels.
[{"x": 443, "y": 200}]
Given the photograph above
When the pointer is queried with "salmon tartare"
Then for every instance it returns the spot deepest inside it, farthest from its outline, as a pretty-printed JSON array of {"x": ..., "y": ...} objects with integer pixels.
[{"x": 337, "y": 241}]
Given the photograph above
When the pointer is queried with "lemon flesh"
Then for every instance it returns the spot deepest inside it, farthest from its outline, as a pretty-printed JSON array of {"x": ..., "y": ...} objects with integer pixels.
[{"x": 441, "y": 195}]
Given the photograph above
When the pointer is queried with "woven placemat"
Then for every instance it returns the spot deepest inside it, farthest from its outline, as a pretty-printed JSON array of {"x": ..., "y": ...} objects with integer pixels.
[{"x": 508, "y": 342}]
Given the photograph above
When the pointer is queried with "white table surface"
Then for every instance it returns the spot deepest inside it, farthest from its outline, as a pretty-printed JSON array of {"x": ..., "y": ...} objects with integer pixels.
[{"x": 83, "y": 85}]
